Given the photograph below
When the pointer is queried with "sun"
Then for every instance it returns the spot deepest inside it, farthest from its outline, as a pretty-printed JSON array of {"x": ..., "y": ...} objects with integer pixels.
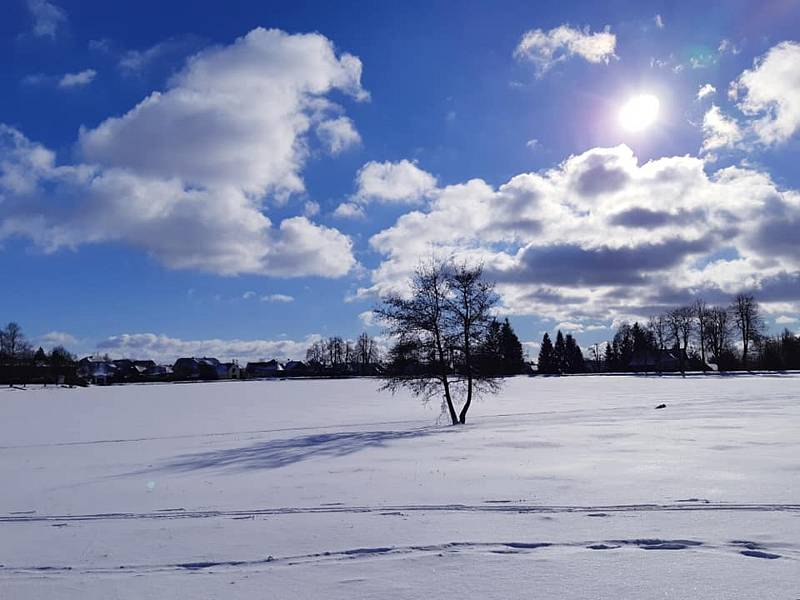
[{"x": 639, "y": 112}]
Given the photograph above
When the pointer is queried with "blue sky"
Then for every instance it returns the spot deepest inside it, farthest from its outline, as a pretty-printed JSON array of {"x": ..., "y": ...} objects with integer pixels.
[{"x": 237, "y": 180}]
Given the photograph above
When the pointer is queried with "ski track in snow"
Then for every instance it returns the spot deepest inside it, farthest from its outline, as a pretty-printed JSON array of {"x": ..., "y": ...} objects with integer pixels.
[
  {"x": 741, "y": 547},
  {"x": 494, "y": 506}
]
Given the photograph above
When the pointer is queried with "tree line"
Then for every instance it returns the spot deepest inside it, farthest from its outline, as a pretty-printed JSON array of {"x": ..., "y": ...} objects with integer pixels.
[
  {"x": 696, "y": 335},
  {"x": 16, "y": 350}
]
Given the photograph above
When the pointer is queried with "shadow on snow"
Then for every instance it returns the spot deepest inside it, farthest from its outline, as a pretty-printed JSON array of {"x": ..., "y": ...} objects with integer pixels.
[{"x": 274, "y": 454}]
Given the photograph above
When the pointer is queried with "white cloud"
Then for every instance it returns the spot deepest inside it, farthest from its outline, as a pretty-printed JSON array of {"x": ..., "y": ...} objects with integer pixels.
[
  {"x": 310, "y": 209},
  {"x": 659, "y": 21},
  {"x": 162, "y": 348},
  {"x": 338, "y": 134},
  {"x": 569, "y": 327},
  {"x": 601, "y": 236},
  {"x": 249, "y": 295},
  {"x": 546, "y": 48},
  {"x": 786, "y": 320},
  {"x": 185, "y": 174},
  {"x": 706, "y": 90},
  {"x": 532, "y": 143},
  {"x": 349, "y": 210},
  {"x": 369, "y": 318},
  {"x": 57, "y": 338},
  {"x": 282, "y": 298},
  {"x": 401, "y": 181},
  {"x": 719, "y": 131},
  {"x": 47, "y": 18},
  {"x": 79, "y": 79},
  {"x": 769, "y": 93}
]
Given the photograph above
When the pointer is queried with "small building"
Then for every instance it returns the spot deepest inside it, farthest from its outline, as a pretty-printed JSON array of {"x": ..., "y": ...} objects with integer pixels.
[
  {"x": 232, "y": 370},
  {"x": 205, "y": 368},
  {"x": 270, "y": 368},
  {"x": 296, "y": 368}
]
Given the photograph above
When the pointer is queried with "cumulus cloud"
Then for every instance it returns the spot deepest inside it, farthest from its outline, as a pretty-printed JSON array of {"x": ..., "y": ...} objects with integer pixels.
[
  {"x": 601, "y": 236},
  {"x": 349, "y": 210},
  {"x": 719, "y": 131},
  {"x": 71, "y": 80},
  {"x": 706, "y": 90},
  {"x": 47, "y": 18},
  {"x": 547, "y": 48},
  {"x": 786, "y": 320},
  {"x": 185, "y": 174},
  {"x": 769, "y": 93},
  {"x": 338, "y": 134},
  {"x": 401, "y": 181},
  {"x": 162, "y": 348}
]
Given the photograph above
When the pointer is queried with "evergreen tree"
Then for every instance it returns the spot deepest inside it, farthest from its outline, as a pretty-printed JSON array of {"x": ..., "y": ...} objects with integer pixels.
[
  {"x": 513, "y": 361},
  {"x": 560, "y": 353},
  {"x": 545, "y": 364},
  {"x": 574, "y": 356},
  {"x": 491, "y": 351},
  {"x": 40, "y": 356}
]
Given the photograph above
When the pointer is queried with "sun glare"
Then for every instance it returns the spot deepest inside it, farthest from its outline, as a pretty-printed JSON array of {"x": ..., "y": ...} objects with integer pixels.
[{"x": 639, "y": 112}]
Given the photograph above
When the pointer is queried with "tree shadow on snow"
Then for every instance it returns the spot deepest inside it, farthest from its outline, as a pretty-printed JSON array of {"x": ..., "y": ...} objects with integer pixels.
[{"x": 274, "y": 454}]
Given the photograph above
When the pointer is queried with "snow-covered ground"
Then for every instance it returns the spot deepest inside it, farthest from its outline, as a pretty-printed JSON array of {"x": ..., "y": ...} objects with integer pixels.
[{"x": 560, "y": 488}]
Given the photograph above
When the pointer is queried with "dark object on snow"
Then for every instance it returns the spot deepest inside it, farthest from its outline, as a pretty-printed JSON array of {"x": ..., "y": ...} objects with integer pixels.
[{"x": 661, "y": 406}]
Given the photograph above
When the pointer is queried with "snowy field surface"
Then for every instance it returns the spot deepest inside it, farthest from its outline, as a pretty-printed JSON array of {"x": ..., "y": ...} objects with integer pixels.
[{"x": 563, "y": 488}]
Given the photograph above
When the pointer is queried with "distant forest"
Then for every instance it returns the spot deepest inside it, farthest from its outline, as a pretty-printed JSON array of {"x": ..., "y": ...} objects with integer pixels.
[{"x": 696, "y": 337}]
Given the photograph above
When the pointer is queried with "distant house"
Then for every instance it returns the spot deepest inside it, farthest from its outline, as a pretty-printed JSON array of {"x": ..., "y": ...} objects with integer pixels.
[
  {"x": 232, "y": 370},
  {"x": 158, "y": 373},
  {"x": 270, "y": 368},
  {"x": 296, "y": 368},
  {"x": 193, "y": 368},
  {"x": 667, "y": 361},
  {"x": 142, "y": 366}
]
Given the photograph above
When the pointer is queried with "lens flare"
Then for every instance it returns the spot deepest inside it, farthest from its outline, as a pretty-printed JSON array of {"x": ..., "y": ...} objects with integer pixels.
[{"x": 639, "y": 112}]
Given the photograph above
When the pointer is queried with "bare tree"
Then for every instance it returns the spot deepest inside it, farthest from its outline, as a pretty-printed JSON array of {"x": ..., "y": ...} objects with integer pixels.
[
  {"x": 681, "y": 324},
  {"x": 718, "y": 332},
  {"x": 659, "y": 327},
  {"x": 13, "y": 344},
  {"x": 420, "y": 322},
  {"x": 747, "y": 316},
  {"x": 443, "y": 323},
  {"x": 470, "y": 304},
  {"x": 701, "y": 313}
]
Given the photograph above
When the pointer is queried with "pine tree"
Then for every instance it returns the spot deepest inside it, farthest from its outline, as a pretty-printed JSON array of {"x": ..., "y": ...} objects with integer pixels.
[
  {"x": 560, "y": 353},
  {"x": 546, "y": 365},
  {"x": 513, "y": 362},
  {"x": 573, "y": 356}
]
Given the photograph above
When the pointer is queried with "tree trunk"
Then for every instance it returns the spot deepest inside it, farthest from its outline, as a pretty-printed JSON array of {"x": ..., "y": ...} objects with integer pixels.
[
  {"x": 468, "y": 366},
  {"x": 445, "y": 382}
]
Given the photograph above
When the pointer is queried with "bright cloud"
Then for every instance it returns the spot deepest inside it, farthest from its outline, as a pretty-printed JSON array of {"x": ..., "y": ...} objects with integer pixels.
[
  {"x": 786, "y": 320},
  {"x": 719, "y": 131},
  {"x": 769, "y": 93},
  {"x": 401, "y": 181},
  {"x": 185, "y": 174},
  {"x": 349, "y": 210},
  {"x": 602, "y": 236},
  {"x": 706, "y": 90},
  {"x": 338, "y": 134},
  {"x": 71, "y": 80},
  {"x": 547, "y": 48},
  {"x": 162, "y": 348}
]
